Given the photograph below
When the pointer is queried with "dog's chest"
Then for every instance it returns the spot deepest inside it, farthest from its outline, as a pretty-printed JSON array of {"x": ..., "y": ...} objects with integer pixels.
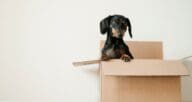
[
  {"x": 110, "y": 52},
  {"x": 114, "y": 52}
]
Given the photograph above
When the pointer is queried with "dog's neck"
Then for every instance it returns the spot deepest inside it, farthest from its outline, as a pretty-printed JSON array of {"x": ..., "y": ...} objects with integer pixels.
[{"x": 114, "y": 40}]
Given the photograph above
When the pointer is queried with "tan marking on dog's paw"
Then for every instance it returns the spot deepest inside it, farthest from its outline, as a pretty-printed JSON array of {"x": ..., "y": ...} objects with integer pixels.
[{"x": 125, "y": 58}]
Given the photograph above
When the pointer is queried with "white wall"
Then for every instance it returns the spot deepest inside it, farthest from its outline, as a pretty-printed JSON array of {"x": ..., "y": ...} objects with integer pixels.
[{"x": 39, "y": 39}]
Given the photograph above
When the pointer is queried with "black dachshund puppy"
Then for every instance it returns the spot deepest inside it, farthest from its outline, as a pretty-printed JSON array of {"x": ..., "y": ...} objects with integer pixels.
[{"x": 115, "y": 26}]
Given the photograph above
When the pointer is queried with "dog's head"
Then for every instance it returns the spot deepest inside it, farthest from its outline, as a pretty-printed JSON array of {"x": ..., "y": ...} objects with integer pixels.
[{"x": 117, "y": 24}]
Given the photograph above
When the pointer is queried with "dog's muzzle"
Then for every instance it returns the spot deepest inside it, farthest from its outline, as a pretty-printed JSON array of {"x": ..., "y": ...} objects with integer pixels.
[{"x": 117, "y": 31}]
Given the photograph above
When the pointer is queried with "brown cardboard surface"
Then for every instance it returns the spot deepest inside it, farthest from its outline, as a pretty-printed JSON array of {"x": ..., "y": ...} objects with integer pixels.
[
  {"x": 145, "y": 87},
  {"x": 149, "y": 89},
  {"x": 144, "y": 67},
  {"x": 146, "y": 49},
  {"x": 142, "y": 89}
]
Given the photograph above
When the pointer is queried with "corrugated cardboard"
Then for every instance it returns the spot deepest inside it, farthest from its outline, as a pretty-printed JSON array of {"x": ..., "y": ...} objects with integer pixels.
[
  {"x": 143, "y": 79},
  {"x": 144, "y": 67}
]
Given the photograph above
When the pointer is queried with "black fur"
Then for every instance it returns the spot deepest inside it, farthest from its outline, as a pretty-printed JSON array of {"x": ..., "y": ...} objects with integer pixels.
[{"x": 114, "y": 46}]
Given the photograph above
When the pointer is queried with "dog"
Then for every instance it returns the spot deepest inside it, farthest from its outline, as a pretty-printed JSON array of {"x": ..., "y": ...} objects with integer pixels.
[{"x": 115, "y": 48}]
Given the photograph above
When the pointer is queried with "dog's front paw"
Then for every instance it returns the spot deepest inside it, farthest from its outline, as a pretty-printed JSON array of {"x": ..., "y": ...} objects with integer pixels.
[{"x": 125, "y": 58}]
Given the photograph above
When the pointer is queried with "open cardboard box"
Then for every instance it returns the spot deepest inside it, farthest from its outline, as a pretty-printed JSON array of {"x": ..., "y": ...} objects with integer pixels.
[{"x": 147, "y": 78}]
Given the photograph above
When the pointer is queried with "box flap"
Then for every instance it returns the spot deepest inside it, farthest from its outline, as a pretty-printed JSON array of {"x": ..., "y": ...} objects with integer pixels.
[
  {"x": 144, "y": 49},
  {"x": 144, "y": 67}
]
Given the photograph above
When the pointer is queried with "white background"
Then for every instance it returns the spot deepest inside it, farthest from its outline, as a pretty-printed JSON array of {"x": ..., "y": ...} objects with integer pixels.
[{"x": 39, "y": 40}]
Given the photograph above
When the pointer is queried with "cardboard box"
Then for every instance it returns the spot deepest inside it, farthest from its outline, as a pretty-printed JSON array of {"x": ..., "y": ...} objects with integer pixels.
[{"x": 147, "y": 78}]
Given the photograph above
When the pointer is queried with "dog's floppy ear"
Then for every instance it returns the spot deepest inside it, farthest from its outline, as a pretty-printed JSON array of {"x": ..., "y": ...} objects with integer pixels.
[
  {"x": 104, "y": 24},
  {"x": 129, "y": 27}
]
